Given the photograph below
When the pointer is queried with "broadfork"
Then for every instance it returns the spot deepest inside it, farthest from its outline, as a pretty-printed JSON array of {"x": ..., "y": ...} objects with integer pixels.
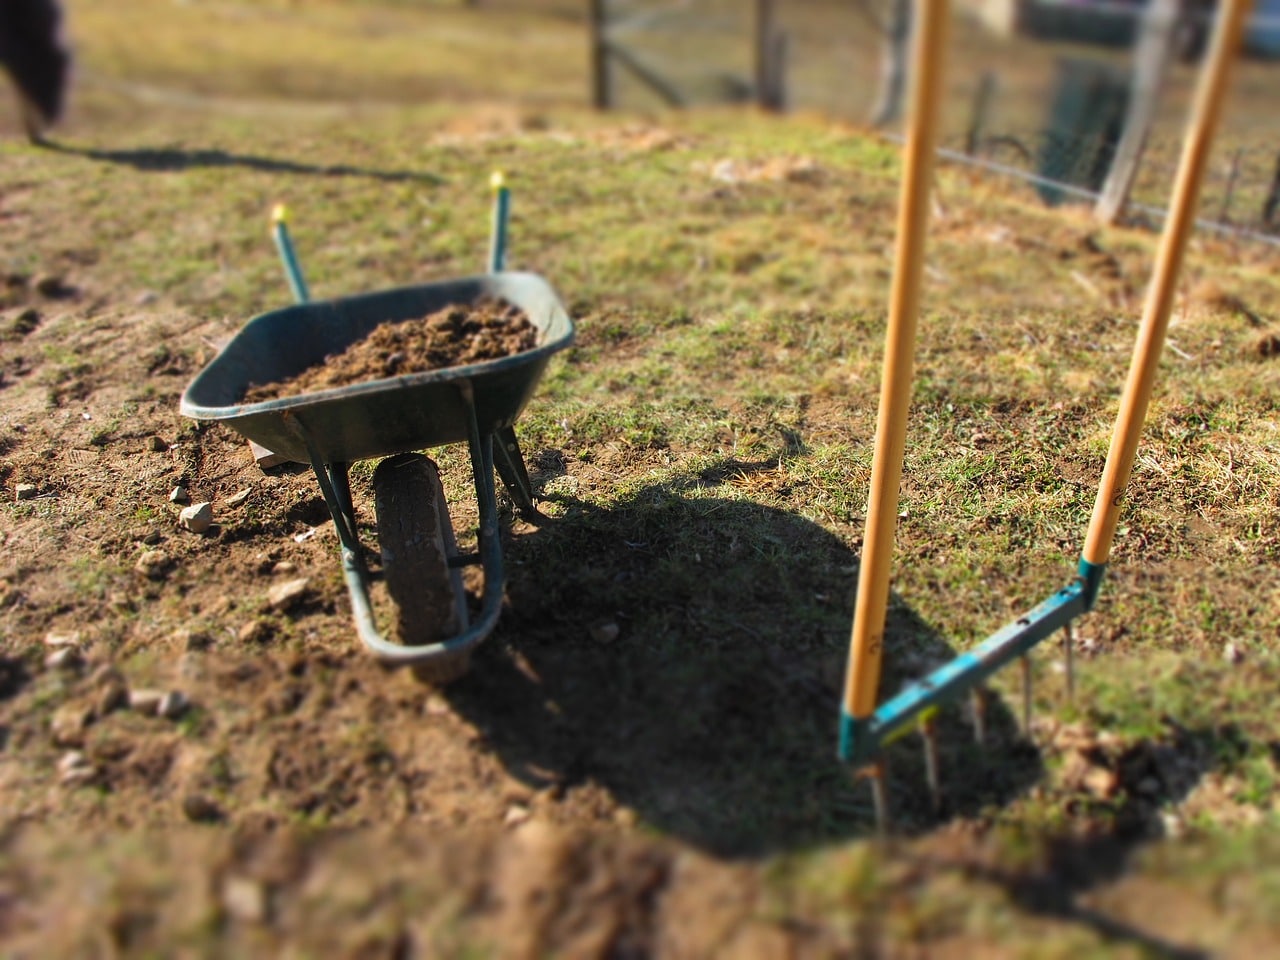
[{"x": 864, "y": 728}]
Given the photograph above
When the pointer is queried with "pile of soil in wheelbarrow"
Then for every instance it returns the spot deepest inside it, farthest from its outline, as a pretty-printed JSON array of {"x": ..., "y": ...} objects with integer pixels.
[{"x": 453, "y": 336}]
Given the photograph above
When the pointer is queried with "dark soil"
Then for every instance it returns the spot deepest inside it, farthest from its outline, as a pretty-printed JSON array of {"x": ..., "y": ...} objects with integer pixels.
[{"x": 456, "y": 335}]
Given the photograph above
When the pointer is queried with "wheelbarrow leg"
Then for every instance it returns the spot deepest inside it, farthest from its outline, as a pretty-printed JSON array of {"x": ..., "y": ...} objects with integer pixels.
[
  {"x": 335, "y": 484},
  {"x": 510, "y": 464},
  {"x": 340, "y": 477}
]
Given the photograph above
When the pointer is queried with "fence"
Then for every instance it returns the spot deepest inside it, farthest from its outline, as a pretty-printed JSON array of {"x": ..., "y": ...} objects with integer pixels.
[
  {"x": 621, "y": 32},
  {"x": 1040, "y": 91}
]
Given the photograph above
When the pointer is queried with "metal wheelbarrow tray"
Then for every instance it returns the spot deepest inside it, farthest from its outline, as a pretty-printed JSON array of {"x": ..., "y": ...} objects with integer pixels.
[{"x": 330, "y": 429}]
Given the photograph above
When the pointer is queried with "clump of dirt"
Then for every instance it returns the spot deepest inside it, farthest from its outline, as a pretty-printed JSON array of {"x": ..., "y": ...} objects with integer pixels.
[{"x": 455, "y": 335}]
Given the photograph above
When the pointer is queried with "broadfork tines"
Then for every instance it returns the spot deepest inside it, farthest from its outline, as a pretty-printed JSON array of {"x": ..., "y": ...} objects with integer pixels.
[
  {"x": 1069, "y": 642},
  {"x": 877, "y": 774},
  {"x": 979, "y": 697},
  {"x": 929, "y": 734},
  {"x": 1026, "y": 695}
]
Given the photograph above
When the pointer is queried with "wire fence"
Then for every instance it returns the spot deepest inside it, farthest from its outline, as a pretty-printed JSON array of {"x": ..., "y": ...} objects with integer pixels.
[{"x": 1037, "y": 91}]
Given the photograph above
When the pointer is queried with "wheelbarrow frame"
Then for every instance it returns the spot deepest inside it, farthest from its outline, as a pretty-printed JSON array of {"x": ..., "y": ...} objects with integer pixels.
[{"x": 331, "y": 429}]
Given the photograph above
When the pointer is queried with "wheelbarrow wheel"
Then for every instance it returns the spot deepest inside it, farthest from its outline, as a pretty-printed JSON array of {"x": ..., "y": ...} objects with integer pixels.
[{"x": 416, "y": 540}]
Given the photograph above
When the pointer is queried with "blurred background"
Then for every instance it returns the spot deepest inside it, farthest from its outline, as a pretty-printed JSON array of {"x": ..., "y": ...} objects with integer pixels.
[{"x": 1042, "y": 92}]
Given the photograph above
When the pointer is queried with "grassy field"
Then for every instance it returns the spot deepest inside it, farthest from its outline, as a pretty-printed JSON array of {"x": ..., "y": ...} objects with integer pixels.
[{"x": 642, "y": 761}]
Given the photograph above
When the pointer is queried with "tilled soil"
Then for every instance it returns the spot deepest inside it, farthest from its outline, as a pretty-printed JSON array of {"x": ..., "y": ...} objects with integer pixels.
[{"x": 456, "y": 335}]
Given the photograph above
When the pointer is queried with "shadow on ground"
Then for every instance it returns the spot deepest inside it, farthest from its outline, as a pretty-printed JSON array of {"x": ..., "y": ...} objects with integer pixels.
[
  {"x": 684, "y": 650},
  {"x": 171, "y": 159}
]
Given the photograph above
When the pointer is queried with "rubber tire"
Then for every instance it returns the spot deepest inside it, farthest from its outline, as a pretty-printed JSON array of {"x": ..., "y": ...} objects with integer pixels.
[{"x": 416, "y": 540}]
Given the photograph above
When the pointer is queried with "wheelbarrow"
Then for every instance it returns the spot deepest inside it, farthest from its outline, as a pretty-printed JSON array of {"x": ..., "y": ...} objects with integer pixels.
[{"x": 395, "y": 418}]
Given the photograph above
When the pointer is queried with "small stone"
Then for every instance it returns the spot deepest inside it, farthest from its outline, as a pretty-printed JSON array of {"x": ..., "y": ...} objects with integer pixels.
[
  {"x": 285, "y": 595},
  {"x": 173, "y": 705},
  {"x": 145, "y": 701},
  {"x": 158, "y": 444},
  {"x": 1175, "y": 828},
  {"x": 437, "y": 706},
  {"x": 256, "y": 631},
  {"x": 25, "y": 491},
  {"x": 153, "y": 564},
  {"x": 65, "y": 658},
  {"x": 146, "y": 298},
  {"x": 69, "y": 723},
  {"x": 112, "y": 697},
  {"x": 179, "y": 495},
  {"x": 1101, "y": 782},
  {"x": 72, "y": 760},
  {"x": 59, "y": 640},
  {"x": 264, "y": 458},
  {"x": 78, "y": 777},
  {"x": 284, "y": 567},
  {"x": 200, "y": 809},
  {"x": 198, "y": 517},
  {"x": 238, "y": 498},
  {"x": 516, "y": 814},
  {"x": 605, "y": 632},
  {"x": 245, "y": 899},
  {"x": 1233, "y": 654}
]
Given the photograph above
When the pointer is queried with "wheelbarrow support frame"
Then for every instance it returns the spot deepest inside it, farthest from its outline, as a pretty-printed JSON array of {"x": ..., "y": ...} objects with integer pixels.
[{"x": 335, "y": 486}]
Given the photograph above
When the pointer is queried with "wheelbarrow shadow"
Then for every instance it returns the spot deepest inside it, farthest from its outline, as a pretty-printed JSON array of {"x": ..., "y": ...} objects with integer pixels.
[{"x": 684, "y": 651}]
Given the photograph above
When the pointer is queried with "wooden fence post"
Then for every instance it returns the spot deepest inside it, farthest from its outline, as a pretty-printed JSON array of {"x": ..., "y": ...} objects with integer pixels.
[
  {"x": 778, "y": 81},
  {"x": 770, "y": 57},
  {"x": 1155, "y": 48},
  {"x": 893, "y": 66},
  {"x": 981, "y": 108},
  {"x": 601, "y": 77}
]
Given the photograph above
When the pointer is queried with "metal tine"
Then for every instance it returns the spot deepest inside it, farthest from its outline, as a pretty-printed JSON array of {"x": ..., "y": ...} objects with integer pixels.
[
  {"x": 929, "y": 733},
  {"x": 978, "y": 698},
  {"x": 1070, "y": 643},
  {"x": 1026, "y": 694},
  {"x": 877, "y": 773}
]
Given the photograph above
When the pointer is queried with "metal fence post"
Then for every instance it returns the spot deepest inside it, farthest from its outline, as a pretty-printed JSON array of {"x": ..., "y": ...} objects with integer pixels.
[{"x": 981, "y": 108}]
